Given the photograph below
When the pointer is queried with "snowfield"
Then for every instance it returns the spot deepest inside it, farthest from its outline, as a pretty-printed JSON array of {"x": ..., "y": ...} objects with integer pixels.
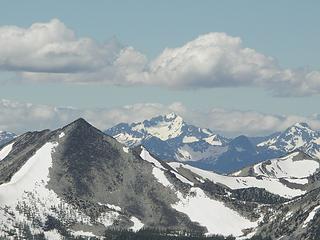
[
  {"x": 4, "y": 152},
  {"x": 189, "y": 139},
  {"x": 137, "y": 224},
  {"x": 161, "y": 178},
  {"x": 157, "y": 170},
  {"x": 145, "y": 155},
  {"x": 127, "y": 139},
  {"x": 34, "y": 172},
  {"x": 212, "y": 214},
  {"x": 27, "y": 187},
  {"x": 287, "y": 167},
  {"x": 164, "y": 130},
  {"x": 271, "y": 185},
  {"x": 310, "y": 216}
]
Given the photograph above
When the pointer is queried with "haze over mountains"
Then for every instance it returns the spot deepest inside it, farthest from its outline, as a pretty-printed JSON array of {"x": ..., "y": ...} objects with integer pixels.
[
  {"x": 170, "y": 138},
  {"x": 77, "y": 181}
]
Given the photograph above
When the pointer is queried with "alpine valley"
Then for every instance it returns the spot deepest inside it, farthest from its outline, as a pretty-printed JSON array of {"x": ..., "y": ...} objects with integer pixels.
[{"x": 78, "y": 182}]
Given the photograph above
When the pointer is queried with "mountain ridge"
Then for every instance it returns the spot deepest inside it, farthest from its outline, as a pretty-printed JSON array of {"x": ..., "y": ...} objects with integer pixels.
[
  {"x": 87, "y": 182},
  {"x": 212, "y": 151}
]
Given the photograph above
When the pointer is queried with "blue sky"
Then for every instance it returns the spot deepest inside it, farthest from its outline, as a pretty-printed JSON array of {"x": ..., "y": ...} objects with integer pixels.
[{"x": 286, "y": 31}]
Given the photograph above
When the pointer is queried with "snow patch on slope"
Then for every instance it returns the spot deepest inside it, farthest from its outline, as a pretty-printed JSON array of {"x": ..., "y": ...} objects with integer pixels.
[
  {"x": 189, "y": 139},
  {"x": 83, "y": 234},
  {"x": 157, "y": 171},
  {"x": 4, "y": 152},
  {"x": 167, "y": 129},
  {"x": 212, "y": 214},
  {"x": 34, "y": 172},
  {"x": 27, "y": 190},
  {"x": 127, "y": 139},
  {"x": 108, "y": 218},
  {"x": 301, "y": 181},
  {"x": 111, "y": 206},
  {"x": 213, "y": 140},
  {"x": 271, "y": 185},
  {"x": 125, "y": 149},
  {"x": 182, "y": 178},
  {"x": 161, "y": 177},
  {"x": 288, "y": 167},
  {"x": 53, "y": 235},
  {"x": 310, "y": 216},
  {"x": 145, "y": 155},
  {"x": 137, "y": 224}
]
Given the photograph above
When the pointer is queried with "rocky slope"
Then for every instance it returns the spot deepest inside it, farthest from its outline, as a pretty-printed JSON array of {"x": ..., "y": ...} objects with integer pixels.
[
  {"x": 77, "y": 181},
  {"x": 170, "y": 138}
]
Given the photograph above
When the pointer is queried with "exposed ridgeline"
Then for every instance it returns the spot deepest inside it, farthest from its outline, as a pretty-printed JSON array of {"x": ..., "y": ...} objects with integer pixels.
[
  {"x": 77, "y": 181},
  {"x": 170, "y": 138}
]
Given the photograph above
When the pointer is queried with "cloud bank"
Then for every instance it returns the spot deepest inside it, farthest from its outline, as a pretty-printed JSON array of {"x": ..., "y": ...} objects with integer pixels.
[
  {"x": 52, "y": 52},
  {"x": 21, "y": 117}
]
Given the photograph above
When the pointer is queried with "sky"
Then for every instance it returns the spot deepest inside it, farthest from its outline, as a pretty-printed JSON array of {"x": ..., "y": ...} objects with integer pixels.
[{"x": 113, "y": 61}]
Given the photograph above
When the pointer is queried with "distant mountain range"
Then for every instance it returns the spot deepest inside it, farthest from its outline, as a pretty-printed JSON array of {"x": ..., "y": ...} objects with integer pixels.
[
  {"x": 170, "y": 138},
  {"x": 6, "y": 137},
  {"x": 299, "y": 136},
  {"x": 77, "y": 182}
]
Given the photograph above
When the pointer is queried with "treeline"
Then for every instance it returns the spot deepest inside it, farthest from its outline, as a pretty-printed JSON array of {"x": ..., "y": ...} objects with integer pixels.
[
  {"x": 24, "y": 232},
  {"x": 156, "y": 234}
]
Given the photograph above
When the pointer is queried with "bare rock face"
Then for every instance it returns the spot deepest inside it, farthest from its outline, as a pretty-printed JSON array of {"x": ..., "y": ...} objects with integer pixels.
[{"x": 76, "y": 180}]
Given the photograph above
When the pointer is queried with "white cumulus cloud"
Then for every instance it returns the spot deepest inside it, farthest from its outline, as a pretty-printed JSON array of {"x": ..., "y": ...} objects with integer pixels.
[
  {"x": 53, "y": 52},
  {"x": 21, "y": 117}
]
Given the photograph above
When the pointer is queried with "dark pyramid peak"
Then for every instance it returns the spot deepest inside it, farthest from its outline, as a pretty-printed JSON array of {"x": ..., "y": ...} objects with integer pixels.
[
  {"x": 80, "y": 132},
  {"x": 80, "y": 122},
  {"x": 80, "y": 126}
]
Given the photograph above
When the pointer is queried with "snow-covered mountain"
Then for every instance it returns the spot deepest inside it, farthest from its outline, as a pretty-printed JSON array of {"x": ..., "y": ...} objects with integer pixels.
[
  {"x": 298, "y": 136},
  {"x": 169, "y": 137},
  {"x": 297, "y": 166},
  {"x": 167, "y": 127},
  {"x": 6, "y": 137},
  {"x": 77, "y": 181}
]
